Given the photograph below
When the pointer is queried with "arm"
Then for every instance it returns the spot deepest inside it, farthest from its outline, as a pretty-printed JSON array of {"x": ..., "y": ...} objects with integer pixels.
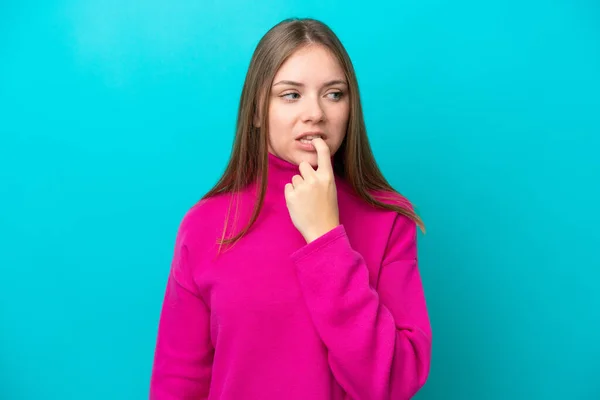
[
  {"x": 379, "y": 341},
  {"x": 184, "y": 353}
]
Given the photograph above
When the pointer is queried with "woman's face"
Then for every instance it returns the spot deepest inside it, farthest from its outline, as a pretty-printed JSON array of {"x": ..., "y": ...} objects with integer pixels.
[{"x": 309, "y": 96}]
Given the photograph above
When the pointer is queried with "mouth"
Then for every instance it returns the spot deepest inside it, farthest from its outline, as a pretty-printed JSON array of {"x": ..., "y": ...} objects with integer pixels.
[{"x": 308, "y": 138}]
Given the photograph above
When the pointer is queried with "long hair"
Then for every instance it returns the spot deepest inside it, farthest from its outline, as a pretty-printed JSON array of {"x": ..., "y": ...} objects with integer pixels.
[{"x": 354, "y": 160}]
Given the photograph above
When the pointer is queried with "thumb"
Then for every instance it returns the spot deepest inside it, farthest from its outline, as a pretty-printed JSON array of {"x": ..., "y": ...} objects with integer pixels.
[{"x": 288, "y": 190}]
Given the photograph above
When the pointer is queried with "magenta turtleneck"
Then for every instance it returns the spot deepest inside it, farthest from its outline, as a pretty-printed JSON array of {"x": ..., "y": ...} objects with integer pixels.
[{"x": 342, "y": 317}]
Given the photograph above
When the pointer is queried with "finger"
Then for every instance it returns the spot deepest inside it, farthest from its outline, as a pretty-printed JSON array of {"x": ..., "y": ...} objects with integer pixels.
[
  {"x": 323, "y": 155},
  {"x": 306, "y": 170},
  {"x": 297, "y": 180},
  {"x": 288, "y": 189}
]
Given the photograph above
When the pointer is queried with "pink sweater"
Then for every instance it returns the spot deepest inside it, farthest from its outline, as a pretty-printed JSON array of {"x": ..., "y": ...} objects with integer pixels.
[{"x": 343, "y": 317}]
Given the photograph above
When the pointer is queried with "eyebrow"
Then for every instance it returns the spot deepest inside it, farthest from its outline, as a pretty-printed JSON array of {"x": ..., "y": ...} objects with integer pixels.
[{"x": 330, "y": 83}]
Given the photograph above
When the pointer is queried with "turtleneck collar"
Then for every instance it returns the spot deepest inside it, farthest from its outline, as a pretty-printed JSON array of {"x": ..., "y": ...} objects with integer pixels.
[{"x": 280, "y": 172}]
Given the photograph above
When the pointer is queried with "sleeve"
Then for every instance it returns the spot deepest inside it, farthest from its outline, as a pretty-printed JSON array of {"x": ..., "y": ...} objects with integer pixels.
[
  {"x": 183, "y": 354},
  {"x": 379, "y": 339}
]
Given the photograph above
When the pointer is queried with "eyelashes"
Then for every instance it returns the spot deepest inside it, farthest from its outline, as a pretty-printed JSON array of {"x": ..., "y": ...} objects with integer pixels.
[{"x": 286, "y": 97}]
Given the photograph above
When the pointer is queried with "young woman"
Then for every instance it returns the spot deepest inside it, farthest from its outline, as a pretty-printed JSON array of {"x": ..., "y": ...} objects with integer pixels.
[{"x": 296, "y": 276}]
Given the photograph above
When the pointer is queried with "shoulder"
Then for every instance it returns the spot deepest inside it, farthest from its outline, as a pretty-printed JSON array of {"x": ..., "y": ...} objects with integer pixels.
[
  {"x": 389, "y": 198},
  {"x": 401, "y": 222},
  {"x": 386, "y": 224},
  {"x": 402, "y": 236},
  {"x": 392, "y": 199},
  {"x": 201, "y": 225},
  {"x": 195, "y": 236}
]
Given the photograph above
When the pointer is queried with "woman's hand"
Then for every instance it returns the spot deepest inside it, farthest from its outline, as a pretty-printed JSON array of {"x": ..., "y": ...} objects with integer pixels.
[{"x": 311, "y": 197}]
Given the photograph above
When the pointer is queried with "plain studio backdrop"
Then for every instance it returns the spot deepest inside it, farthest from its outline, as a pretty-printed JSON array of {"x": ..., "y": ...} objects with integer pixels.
[{"x": 116, "y": 116}]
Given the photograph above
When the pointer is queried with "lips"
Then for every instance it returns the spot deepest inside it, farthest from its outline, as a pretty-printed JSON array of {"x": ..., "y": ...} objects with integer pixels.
[{"x": 307, "y": 137}]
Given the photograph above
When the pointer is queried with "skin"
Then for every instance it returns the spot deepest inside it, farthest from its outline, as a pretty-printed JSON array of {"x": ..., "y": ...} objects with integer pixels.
[
  {"x": 317, "y": 102},
  {"x": 311, "y": 197},
  {"x": 315, "y": 105}
]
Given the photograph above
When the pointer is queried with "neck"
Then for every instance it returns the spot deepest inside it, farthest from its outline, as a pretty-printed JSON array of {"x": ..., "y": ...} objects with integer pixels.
[{"x": 280, "y": 173}]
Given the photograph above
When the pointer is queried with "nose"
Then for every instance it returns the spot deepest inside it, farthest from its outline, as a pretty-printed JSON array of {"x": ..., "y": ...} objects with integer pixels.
[{"x": 313, "y": 110}]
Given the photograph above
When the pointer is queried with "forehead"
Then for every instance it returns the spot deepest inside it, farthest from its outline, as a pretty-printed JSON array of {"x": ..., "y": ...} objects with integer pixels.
[{"x": 313, "y": 63}]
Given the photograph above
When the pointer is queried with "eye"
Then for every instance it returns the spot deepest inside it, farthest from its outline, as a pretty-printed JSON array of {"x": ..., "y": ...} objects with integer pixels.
[
  {"x": 336, "y": 95},
  {"x": 289, "y": 96}
]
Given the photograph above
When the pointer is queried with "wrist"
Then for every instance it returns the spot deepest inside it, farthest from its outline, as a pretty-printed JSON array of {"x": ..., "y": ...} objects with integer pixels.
[{"x": 312, "y": 236}]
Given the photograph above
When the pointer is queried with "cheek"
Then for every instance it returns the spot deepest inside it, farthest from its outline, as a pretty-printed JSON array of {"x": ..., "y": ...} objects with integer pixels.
[
  {"x": 281, "y": 124},
  {"x": 339, "y": 120},
  {"x": 339, "y": 111},
  {"x": 281, "y": 120},
  {"x": 275, "y": 112}
]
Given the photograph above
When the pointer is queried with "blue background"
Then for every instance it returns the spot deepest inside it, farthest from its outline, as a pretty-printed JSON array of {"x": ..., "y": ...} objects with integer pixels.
[{"x": 116, "y": 116}]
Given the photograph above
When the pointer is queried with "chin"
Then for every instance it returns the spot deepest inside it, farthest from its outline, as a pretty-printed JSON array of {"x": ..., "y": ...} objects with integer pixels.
[{"x": 310, "y": 158}]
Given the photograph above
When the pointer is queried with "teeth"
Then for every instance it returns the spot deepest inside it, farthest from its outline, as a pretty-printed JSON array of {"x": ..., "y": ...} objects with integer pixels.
[{"x": 308, "y": 139}]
